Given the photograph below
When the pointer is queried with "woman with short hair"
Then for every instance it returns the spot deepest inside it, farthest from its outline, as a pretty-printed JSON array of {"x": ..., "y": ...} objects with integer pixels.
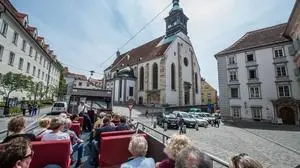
[
  {"x": 173, "y": 147},
  {"x": 138, "y": 147},
  {"x": 44, "y": 124},
  {"x": 17, "y": 126},
  {"x": 244, "y": 161}
]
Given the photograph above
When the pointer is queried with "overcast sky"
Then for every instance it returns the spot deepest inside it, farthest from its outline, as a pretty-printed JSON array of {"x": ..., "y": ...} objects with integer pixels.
[{"x": 84, "y": 33}]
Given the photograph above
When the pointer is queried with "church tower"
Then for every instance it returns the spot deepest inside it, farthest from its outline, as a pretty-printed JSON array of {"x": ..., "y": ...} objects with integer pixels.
[{"x": 176, "y": 21}]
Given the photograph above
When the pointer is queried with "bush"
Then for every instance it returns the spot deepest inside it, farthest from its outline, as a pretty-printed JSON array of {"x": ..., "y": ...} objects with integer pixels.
[
  {"x": 15, "y": 110},
  {"x": 48, "y": 102},
  {"x": 2, "y": 104}
]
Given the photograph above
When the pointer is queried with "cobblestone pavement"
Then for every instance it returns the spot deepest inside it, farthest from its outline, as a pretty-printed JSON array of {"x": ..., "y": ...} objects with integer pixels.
[{"x": 227, "y": 141}]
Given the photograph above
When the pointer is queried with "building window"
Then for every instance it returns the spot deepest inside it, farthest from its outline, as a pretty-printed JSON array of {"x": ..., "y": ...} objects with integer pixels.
[
  {"x": 120, "y": 88},
  {"x": 130, "y": 91},
  {"x": 39, "y": 73},
  {"x": 36, "y": 56},
  {"x": 79, "y": 84},
  {"x": 254, "y": 92},
  {"x": 252, "y": 74},
  {"x": 24, "y": 45},
  {"x": 44, "y": 63},
  {"x": 41, "y": 59},
  {"x": 21, "y": 61},
  {"x": 233, "y": 75},
  {"x": 142, "y": 79},
  {"x": 284, "y": 91},
  {"x": 250, "y": 57},
  {"x": 155, "y": 76},
  {"x": 1, "y": 52},
  {"x": 196, "y": 83},
  {"x": 46, "y": 77},
  {"x": 43, "y": 74},
  {"x": 231, "y": 60},
  {"x": 30, "y": 51},
  {"x": 11, "y": 59},
  {"x": 186, "y": 61},
  {"x": 28, "y": 67},
  {"x": 173, "y": 80},
  {"x": 234, "y": 92},
  {"x": 256, "y": 113},
  {"x": 33, "y": 71},
  {"x": 278, "y": 53},
  {"x": 281, "y": 71},
  {"x": 236, "y": 112},
  {"x": 4, "y": 28},
  {"x": 15, "y": 38}
]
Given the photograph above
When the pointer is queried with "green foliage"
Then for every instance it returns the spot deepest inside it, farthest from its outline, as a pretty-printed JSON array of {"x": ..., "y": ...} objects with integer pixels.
[
  {"x": 15, "y": 110},
  {"x": 62, "y": 87},
  {"x": 2, "y": 104}
]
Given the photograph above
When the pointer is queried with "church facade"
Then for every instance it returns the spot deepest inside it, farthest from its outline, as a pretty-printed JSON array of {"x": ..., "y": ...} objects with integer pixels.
[{"x": 162, "y": 71}]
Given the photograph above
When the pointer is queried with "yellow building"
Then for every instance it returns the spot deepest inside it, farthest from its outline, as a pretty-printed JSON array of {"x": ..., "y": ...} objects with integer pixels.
[{"x": 209, "y": 94}]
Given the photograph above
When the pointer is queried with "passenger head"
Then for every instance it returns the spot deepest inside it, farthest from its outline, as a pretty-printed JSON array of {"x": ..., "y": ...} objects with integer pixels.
[
  {"x": 82, "y": 103},
  {"x": 63, "y": 115},
  {"x": 192, "y": 157},
  {"x": 123, "y": 119},
  {"x": 68, "y": 123},
  {"x": 116, "y": 117},
  {"x": 106, "y": 120},
  {"x": 17, "y": 153},
  {"x": 45, "y": 123},
  {"x": 244, "y": 161},
  {"x": 109, "y": 116},
  {"x": 57, "y": 123},
  {"x": 101, "y": 115},
  {"x": 74, "y": 117},
  {"x": 16, "y": 124},
  {"x": 176, "y": 144},
  {"x": 138, "y": 145}
]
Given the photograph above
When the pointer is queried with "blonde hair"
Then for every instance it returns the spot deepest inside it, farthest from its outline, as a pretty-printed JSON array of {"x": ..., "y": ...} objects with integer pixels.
[
  {"x": 138, "y": 145},
  {"x": 44, "y": 122},
  {"x": 176, "y": 144},
  {"x": 116, "y": 117},
  {"x": 244, "y": 161},
  {"x": 56, "y": 123},
  {"x": 63, "y": 115}
]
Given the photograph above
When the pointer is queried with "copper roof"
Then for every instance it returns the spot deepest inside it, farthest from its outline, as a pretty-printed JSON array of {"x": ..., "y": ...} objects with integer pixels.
[
  {"x": 146, "y": 52},
  {"x": 258, "y": 38}
]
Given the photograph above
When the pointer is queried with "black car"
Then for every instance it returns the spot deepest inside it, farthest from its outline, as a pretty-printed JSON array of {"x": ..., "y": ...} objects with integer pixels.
[{"x": 170, "y": 119}]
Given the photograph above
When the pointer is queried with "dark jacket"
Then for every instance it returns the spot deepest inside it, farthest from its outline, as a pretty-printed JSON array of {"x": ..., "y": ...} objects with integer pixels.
[
  {"x": 122, "y": 127},
  {"x": 104, "y": 128},
  {"x": 30, "y": 137}
]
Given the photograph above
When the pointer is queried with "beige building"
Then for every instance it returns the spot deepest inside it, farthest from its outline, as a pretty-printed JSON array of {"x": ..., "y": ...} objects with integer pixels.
[{"x": 209, "y": 94}]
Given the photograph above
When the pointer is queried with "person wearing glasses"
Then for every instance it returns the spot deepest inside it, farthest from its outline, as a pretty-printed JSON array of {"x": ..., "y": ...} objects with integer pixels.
[
  {"x": 16, "y": 153},
  {"x": 244, "y": 161}
]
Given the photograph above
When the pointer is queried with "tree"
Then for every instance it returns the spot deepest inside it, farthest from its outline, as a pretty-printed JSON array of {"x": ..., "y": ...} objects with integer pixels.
[
  {"x": 35, "y": 90},
  {"x": 11, "y": 82}
]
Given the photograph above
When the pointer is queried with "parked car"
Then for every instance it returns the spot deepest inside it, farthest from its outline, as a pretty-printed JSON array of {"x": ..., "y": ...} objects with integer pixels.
[
  {"x": 188, "y": 121},
  {"x": 59, "y": 107},
  {"x": 208, "y": 116},
  {"x": 170, "y": 119},
  {"x": 201, "y": 122}
]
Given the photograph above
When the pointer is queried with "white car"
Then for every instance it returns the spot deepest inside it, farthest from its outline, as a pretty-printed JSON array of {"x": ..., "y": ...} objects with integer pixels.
[
  {"x": 201, "y": 122},
  {"x": 59, "y": 107}
]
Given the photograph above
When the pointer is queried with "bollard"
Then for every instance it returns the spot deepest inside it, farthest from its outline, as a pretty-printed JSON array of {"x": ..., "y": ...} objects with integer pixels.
[
  {"x": 165, "y": 126},
  {"x": 197, "y": 127},
  {"x": 154, "y": 124},
  {"x": 184, "y": 129}
]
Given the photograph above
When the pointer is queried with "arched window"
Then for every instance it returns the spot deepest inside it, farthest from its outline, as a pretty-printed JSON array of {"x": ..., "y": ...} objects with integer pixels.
[
  {"x": 142, "y": 78},
  {"x": 173, "y": 84},
  {"x": 196, "y": 83},
  {"x": 155, "y": 76}
]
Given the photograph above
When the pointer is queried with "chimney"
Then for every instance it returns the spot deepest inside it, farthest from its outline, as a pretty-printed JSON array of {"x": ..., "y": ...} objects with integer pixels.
[{"x": 118, "y": 53}]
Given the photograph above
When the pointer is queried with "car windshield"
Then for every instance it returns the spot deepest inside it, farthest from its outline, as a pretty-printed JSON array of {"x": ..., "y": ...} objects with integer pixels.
[
  {"x": 59, "y": 105},
  {"x": 171, "y": 116},
  {"x": 185, "y": 115}
]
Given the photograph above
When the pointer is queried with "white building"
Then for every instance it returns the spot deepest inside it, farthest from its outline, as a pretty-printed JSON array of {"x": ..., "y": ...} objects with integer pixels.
[
  {"x": 162, "y": 71},
  {"x": 257, "y": 79},
  {"x": 23, "y": 51}
]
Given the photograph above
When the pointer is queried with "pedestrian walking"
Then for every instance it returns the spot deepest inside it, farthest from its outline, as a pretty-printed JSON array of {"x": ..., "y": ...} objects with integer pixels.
[
  {"x": 147, "y": 113},
  {"x": 180, "y": 124},
  {"x": 29, "y": 109},
  {"x": 34, "y": 109},
  {"x": 23, "y": 107}
]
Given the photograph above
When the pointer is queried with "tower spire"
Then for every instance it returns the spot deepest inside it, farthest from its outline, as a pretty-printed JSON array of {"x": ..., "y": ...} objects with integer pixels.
[{"x": 175, "y": 3}]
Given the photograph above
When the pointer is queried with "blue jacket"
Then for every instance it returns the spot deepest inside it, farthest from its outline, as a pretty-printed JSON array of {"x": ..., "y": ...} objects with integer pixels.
[
  {"x": 139, "y": 162},
  {"x": 104, "y": 128},
  {"x": 122, "y": 127}
]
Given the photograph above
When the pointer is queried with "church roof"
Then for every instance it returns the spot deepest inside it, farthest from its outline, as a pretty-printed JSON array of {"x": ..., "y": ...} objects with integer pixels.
[
  {"x": 148, "y": 51},
  {"x": 258, "y": 38}
]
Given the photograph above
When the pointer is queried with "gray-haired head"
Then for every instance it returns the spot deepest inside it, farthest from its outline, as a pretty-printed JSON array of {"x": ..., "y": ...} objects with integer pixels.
[
  {"x": 192, "y": 157},
  {"x": 138, "y": 145}
]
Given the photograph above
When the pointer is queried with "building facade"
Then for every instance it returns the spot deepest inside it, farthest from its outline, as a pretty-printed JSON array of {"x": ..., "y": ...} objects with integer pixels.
[
  {"x": 209, "y": 95},
  {"x": 257, "y": 80},
  {"x": 165, "y": 70},
  {"x": 23, "y": 51}
]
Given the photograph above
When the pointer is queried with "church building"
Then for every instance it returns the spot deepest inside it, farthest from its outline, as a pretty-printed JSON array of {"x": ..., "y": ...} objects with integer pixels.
[{"x": 164, "y": 70}]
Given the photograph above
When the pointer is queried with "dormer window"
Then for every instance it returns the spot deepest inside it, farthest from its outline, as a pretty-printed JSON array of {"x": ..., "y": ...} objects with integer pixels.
[{"x": 278, "y": 52}]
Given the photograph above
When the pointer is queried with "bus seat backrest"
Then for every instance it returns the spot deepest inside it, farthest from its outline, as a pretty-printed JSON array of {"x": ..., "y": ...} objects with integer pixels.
[
  {"x": 51, "y": 152},
  {"x": 81, "y": 121},
  {"x": 115, "y": 133},
  {"x": 38, "y": 138},
  {"x": 76, "y": 128},
  {"x": 112, "y": 146}
]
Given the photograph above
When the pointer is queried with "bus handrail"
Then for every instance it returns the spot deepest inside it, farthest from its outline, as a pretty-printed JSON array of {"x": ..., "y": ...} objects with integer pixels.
[{"x": 166, "y": 137}]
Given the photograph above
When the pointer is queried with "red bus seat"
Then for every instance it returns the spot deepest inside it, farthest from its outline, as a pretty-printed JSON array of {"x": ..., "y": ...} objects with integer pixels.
[
  {"x": 115, "y": 133},
  {"x": 51, "y": 152},
  {"x": 38, "y": 138},
  {"x": 76, "y": 128},
  {"x": 112, "y": 146},
  {"x": 81, "y": 121}
]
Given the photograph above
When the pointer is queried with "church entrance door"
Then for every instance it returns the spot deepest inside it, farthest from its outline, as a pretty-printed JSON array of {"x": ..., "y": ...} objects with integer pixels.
[{"x": 288, "y": 115}]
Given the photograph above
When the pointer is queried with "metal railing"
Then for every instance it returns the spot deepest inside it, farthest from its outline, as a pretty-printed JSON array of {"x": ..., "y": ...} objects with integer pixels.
[{"x": 217, "y": 162}]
